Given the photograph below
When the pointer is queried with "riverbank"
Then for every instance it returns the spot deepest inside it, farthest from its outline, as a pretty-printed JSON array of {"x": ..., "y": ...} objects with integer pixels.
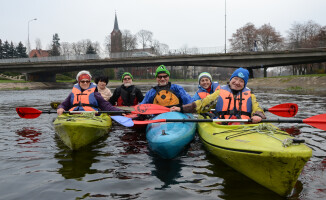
[{"x": 315, "y": 85}]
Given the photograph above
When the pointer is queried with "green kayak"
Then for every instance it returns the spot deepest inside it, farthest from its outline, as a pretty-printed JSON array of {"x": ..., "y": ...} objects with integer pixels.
[{"x": 78, "y": 130}]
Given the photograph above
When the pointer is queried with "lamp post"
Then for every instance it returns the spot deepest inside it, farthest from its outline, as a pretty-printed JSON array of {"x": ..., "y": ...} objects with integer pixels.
[
  {"x": 28, "y": 44},
  {"x": 225, "y": 27}
]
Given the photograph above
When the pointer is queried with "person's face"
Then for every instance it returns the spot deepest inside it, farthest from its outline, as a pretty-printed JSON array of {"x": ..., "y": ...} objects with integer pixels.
[
  {"x": 127, "y": 80},
  {"x": 84, "y": 83},
  {"x": 101, "y": 85},
  {"x": 205, "y": 82},
  {"x": 162, "y": 79},
  {"x": 237, "y": 83}
]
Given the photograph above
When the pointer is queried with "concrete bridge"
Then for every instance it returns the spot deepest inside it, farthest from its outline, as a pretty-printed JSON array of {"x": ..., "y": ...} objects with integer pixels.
[{"x": 40, "y": 70}]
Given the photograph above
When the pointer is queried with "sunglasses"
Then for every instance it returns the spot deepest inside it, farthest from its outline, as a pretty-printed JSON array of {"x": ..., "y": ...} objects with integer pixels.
[
  {"x": 165, "y": 76},
  {"x": 126, "y": 79},
  {"x": 84, "y": 81}
]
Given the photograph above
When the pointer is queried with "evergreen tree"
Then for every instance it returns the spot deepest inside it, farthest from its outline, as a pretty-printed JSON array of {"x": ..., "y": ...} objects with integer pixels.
[
  {"x": 55, "y": 50},
  {"x": 21, "y": 51},
  {"x": 90, "y": 49},
  {"x": 1, "y": 49},
  {"x": 12, "y": 51},
  {"x": 5, "y": 50}
]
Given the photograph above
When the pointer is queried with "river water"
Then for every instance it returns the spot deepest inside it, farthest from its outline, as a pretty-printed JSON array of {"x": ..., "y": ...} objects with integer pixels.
[{"x": 35, "y": 164}]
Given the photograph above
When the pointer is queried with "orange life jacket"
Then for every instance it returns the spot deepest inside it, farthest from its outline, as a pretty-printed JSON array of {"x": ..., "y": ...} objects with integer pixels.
[
  {"x": 229, "y": 107},
  {"x": 83, "y": 101},
  {"x": 166, "y": 97}
]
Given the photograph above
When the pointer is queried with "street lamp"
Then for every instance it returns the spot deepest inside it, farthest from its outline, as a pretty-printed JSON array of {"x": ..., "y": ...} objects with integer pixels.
[
  {"x": 28, "y": 44},
  {"x": 225, "y": 27}
]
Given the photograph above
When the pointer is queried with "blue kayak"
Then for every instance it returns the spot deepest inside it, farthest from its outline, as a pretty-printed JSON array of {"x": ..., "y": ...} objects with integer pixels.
[{"x": 169, "y": 139}]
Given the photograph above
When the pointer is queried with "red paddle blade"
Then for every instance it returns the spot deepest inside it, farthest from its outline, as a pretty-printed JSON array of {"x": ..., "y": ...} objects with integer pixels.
[
  {"x": 150, "y": 109},
  {"x": 284, "y": 110},
  {"x": 318, "y": 121},
  {"x": 28, "y": 113},
  {"x": 148, "y": 121}
]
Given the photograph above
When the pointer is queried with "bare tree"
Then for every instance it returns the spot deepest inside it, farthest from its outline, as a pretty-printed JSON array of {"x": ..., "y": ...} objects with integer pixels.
[
  {"x": 38, "y": 43},
  {"x": 66, "y": 49},
  {"x": 107, "y": 44},
  {"x": 268, "y": 38},
  {"x": 244, "y": 38},
  {"x": 145, "y": 38},
  {"x": 129, "y": 41}
]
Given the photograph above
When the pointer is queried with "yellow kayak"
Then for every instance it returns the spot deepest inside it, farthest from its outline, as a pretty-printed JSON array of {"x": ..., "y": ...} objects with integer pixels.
[
  {"x": 78, "y": 130},
  {"x": 262, "y": 152}
]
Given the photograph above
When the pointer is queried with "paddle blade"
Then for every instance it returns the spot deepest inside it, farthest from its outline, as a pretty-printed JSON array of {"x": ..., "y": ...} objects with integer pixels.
[
  {"x": 124, "y": 121},
  {"x": 28, "y": 113},
  {"x": 284, "y": 110},
  {"x": 317, "y": 121},
  {"x": 150, "y": 109},
  {"x": 149, "y": 121}
]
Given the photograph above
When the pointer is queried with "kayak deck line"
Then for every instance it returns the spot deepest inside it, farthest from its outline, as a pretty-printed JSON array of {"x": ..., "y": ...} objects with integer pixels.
[{"x": 230, "y": 149}]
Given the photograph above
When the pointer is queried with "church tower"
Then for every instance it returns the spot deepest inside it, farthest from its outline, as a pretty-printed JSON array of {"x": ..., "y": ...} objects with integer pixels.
[{"x": 116, "y": 37}]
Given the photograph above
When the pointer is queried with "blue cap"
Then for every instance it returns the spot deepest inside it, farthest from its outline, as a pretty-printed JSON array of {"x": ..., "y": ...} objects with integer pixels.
[{"x": 242, "y": 73}]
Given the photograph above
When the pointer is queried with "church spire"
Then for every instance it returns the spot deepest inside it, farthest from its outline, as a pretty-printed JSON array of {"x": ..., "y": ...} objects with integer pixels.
[{"x": 116, "y": 26}]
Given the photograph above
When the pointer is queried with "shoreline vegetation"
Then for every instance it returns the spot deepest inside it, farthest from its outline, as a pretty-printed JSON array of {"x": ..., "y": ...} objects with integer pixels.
[{"x": 308, "y": 84}]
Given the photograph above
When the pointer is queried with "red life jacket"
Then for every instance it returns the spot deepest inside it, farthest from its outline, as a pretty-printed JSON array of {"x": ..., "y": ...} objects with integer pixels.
[
  {"x": 126, "y": 98},
  {"x": 229, "y": 107},
  {"x": 83, "y": 101}
]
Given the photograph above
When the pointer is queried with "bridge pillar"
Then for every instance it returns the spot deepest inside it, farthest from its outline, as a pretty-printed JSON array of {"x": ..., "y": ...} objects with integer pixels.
[{"x": 41, "y": 77}]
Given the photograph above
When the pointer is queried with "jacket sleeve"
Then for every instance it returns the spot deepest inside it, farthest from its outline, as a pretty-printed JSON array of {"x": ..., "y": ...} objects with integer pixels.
[
  {"x": 149, "y": 97},
  {"x": 185, "y": 97},
  {"x": 256, "y": 109},
  {"x": 114, "y": 98},
  {"x": 66, "y": 105}
]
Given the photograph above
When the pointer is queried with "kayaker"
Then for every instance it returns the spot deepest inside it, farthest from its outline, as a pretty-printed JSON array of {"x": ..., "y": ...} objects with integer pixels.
[
  {"x": 85, "y": 97},
  {"x": 101, "y": 82},
  {"x": 205, "y": 86},
  {"x": 233, "y": 100},
  {"x": 127, "y": 94},
  {"x": 165, "y": 93}
]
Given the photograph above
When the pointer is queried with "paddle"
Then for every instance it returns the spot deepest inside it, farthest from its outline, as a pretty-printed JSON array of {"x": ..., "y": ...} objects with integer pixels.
[
  {"x": 317, "y": 121},
  {"x": 282, "y": 110},
  {"x": 32, "y": 113},
  {"x": 144, "y": 109}
]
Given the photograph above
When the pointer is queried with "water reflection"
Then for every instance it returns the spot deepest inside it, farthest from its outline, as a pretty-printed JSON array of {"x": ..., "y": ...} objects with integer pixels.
[
  {"x": 167, "y": 170},
  {"x": 28, "y": 135},
  {"x": 292, "y": 130},
  {"x": 76, "y": 164}
]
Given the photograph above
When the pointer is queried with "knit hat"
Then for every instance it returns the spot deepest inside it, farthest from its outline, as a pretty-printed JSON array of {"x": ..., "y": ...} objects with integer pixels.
[
  {"x": 126, "y": 74},
  {"x": 206, "y": 75},
  {"x": 242, "y": 73},
  {"x": 162, "y": 69},
  {"x": 83, "y": 75}
]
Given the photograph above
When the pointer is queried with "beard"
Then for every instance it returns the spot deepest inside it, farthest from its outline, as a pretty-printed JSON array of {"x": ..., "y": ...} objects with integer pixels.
[{"x": 127, "y": 84}]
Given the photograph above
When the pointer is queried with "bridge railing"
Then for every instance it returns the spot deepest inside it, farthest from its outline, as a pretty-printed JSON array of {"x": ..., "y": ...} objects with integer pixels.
[{"x": 173, "y": 52}]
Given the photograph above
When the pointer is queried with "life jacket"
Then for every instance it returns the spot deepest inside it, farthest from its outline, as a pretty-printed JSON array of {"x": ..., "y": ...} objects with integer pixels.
[
  {"x": 228, "y": 107},
  {"x": 126, "y": 98},
  {"x": 83, "y": 101},
  {"x": 164, "y": 96},
  {"x": 202, "y": 93}
]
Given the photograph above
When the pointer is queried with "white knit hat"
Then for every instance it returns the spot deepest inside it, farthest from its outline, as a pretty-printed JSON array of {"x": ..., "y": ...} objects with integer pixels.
[
  {"x": 204, "y": 74},
  {"x": 83, "y": 72}
]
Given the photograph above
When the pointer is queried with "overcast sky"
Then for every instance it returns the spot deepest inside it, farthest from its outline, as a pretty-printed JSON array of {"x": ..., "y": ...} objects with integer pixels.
[{"x": 176, "y": 23}]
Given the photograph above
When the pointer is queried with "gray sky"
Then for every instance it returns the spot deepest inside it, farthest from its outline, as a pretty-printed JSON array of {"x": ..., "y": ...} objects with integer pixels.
[{"x": 176, "y": 23}]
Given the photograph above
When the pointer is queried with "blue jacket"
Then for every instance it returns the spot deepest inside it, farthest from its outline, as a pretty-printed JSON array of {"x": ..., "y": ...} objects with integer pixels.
[
  {"x": 178, "y": 91},
  {"x": 215, "y": 86}
]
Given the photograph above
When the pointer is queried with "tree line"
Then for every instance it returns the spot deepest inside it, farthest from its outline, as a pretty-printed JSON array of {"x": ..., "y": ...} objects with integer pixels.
[{"x": 9, "y": 50}]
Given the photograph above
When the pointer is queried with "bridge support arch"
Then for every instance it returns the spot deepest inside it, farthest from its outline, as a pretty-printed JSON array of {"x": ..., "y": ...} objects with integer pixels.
[{"x": 42, "y": 77}]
